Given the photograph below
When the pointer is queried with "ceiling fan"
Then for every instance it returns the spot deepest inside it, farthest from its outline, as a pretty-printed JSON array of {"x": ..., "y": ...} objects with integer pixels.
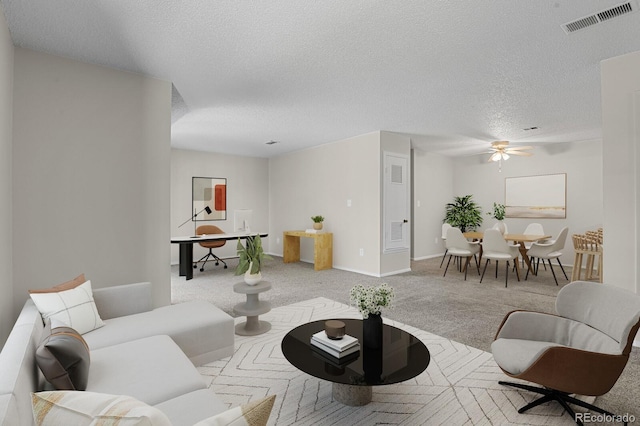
[{"x": 500, "y": 151}]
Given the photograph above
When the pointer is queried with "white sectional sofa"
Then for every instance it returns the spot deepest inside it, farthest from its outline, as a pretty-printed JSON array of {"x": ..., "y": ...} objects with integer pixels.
[{"x": 145, "y": 353}]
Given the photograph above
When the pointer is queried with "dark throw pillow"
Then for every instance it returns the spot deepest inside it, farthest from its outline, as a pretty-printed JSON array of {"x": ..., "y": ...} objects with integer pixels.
[{"x": 63, "y": 357}]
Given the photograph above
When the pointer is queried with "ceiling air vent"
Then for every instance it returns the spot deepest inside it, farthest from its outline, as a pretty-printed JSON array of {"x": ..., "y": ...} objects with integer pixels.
[{"x": 603, "y": 15}]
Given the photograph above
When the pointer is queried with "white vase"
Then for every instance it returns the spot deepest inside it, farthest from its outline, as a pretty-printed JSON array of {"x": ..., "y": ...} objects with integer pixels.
[
  {"x": 500, "y": 226},
  {"x": 252, "y": 279}
]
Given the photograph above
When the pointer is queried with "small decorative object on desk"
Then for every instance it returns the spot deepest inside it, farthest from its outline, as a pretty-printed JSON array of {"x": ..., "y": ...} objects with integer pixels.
[
  {"x": 336, "y": 348},
  {"x": 370, "y": 301},
  {"x": 317, "y": 222},
  {"x": 335, "y": 329}
]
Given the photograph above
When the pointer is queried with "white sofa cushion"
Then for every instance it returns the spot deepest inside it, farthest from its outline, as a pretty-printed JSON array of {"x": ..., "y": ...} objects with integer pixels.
[
  {"x": 77, "y": 408},
  {"x": 74, "y": 307},
  {"x": 152, "y": 369},
  {"x": 190, "y": 408},
  {"x": 203, "y": 332},
  {"x": 516, "y": 355}
]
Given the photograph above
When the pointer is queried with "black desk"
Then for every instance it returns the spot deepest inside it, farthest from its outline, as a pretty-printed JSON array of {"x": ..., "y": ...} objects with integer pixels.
[
  {"x": 186, "y": 247},
  {"x": 402, "y": 357}
]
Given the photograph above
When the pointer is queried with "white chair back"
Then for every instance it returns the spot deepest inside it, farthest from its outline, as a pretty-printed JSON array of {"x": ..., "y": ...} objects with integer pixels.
[
  {"x": 455, "y": 239},
  {"x": 558, "y": 244},
  {"x": 493, "y": 241},
  {"x": 445, "y": 226},
  {"x": 534, "y": 229}
]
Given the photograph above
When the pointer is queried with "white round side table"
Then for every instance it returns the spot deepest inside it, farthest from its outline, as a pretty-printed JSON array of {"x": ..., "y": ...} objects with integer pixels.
[{"x": 252, "y": 308}]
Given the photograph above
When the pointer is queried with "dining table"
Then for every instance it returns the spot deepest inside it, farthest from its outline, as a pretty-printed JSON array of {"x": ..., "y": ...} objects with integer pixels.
[{"x": 519, "y": 239}]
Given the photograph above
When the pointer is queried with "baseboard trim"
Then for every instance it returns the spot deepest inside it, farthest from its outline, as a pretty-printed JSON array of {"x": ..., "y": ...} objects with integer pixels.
[{"x": 431, "y": 256}]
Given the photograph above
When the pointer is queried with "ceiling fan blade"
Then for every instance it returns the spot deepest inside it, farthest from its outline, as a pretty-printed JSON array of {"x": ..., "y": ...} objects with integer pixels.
[
  {"x": 512, "y": 148},
  {"x": 524, "y": 154}
]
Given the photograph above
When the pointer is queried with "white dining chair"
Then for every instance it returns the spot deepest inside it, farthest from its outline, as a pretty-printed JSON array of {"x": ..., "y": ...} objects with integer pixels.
[
  {"x": 533, "y": 228},
  {"x": 445, "y": 227},
  {"x": 548, "y": 251},
  {"x": 495, "y": 247},
  {"x": 459, "y": 247}
]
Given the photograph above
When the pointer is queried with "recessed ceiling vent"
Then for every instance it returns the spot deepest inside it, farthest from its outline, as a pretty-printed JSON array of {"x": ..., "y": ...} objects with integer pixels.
[{"x": 599, "y": 17}]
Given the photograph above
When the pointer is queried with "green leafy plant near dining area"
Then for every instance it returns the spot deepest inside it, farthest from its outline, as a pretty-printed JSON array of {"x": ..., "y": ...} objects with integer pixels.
[
  {"x": 317, "y": 219},
  {"x": 463, "y": 213},
  {"x": 498, "y": 211}
]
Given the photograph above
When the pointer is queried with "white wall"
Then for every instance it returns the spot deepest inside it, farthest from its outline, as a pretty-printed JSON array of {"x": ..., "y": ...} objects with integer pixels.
[
  {"x": 319, "y": 181},
  {"x": 432, "y": 190},
  {"x": 247, "y": 188},
  {"x": 581, "y": 161},
  {"x": 7, "y": 315},
  {"x": 91, "y": 161},
  {"x": 621, "y": 161}
]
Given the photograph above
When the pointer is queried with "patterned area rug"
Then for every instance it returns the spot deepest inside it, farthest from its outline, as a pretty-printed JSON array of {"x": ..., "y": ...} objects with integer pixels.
[{"x": 460, "y": 386}]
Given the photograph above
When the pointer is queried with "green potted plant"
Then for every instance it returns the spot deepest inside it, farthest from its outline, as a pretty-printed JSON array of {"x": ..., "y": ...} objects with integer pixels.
[
  {"x": 463, "y": 213},
  {"x": 251, "y": 257},
  {"x": 498, "y": 214},
  {"x": 317, "y": 222}
]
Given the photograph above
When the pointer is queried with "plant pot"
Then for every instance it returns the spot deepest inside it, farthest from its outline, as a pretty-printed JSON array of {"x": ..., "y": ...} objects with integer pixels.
[
  {"x": 252, "y": 279},
  {"x": 500, "y": 226},
  {"x": 317, "y": 226}
]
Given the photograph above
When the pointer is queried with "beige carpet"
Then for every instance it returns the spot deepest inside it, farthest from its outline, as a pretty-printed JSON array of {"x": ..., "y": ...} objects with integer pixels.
[{"x": 459, "y": 387}]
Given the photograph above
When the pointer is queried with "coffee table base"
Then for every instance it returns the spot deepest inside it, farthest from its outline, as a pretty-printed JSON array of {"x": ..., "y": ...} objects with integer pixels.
[
  {"x": 252, "y": 327},
  {"x": 354, "y": 396}
]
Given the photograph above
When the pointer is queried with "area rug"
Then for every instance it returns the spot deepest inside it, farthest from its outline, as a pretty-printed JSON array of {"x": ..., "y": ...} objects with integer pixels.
[{"x": 460, "y": 386}]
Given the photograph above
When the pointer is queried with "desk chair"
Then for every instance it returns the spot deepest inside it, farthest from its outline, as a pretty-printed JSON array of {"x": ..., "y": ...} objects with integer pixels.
[
  {"x": 208, "y": 230},
  {"x": 582, "y": 350}
]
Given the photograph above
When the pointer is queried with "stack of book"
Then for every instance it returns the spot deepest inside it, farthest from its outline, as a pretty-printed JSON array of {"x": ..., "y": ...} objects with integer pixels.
[{"x": 336, "y": 348}]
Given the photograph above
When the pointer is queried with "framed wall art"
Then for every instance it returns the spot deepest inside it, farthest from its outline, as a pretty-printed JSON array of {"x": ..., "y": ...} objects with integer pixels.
[
  {"x": 211, "y": 193},
  {"x": 540, "y": 197}
]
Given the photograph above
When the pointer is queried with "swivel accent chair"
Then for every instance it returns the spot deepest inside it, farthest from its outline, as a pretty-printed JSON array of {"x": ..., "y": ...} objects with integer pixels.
[
  {"x": 208, "y": 230},
  {"x": 582, "y": 350}
]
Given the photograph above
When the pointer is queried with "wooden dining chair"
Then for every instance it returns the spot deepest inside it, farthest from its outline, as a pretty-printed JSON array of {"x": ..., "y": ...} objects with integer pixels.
[{"x": 587, "y": 246}]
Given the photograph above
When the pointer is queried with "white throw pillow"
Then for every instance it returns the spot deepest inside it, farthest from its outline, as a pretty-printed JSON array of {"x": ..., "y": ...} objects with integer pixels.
[
  {"x": 254, "y": 413},
  {"x": 75, "y": 307},
  {"x": 77, "y": 408}
]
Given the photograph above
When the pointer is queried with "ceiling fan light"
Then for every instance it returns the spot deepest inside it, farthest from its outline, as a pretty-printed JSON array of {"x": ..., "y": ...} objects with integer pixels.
[
  {"x": 495, "y": 156},
  {"x": 505, "y": 156}
]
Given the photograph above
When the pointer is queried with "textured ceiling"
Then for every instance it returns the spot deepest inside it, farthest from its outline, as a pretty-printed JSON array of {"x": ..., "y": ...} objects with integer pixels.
[{"x": 454, "y": 75}]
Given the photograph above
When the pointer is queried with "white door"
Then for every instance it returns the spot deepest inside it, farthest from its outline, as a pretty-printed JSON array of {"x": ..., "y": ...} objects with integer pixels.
[{"x": 396, "y": 202}]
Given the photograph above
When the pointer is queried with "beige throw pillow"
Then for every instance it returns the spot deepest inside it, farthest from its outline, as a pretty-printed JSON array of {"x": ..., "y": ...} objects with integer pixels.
[
  {"x": 255, "y": 413},
  {"x": 80, "y": 279},
  {"x": 90, "y": 408}
]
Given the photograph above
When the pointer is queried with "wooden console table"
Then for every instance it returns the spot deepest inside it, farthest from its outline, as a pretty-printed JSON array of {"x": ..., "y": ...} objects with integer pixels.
[{"x": 322, "y": 248}]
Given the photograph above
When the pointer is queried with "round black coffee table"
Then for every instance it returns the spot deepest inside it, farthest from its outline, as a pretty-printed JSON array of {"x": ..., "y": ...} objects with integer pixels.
[{"x": 401, "y": 357}]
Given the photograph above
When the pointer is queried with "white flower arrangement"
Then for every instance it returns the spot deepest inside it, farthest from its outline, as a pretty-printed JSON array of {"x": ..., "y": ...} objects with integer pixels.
[{"x": 371, "y": 300}]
